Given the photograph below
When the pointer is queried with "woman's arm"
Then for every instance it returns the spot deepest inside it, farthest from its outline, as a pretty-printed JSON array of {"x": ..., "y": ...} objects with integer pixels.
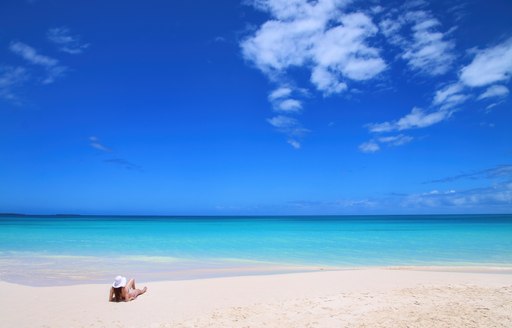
[{"x": 111, "y": 294}]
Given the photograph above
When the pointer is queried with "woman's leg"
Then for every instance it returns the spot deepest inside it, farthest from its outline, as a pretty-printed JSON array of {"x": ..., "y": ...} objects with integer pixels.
[
  {"x": 132, "y": 291},
  {"x": 138, "y": 292},
  {"x": 130, "y": 284}
]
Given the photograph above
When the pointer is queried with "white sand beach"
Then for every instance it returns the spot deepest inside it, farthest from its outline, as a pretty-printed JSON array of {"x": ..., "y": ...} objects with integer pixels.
[{"x": 346, "y": 298}]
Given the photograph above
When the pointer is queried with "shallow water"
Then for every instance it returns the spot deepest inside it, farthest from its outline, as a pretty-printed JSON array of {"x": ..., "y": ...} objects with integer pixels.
[{"x": 61, "y": 250}]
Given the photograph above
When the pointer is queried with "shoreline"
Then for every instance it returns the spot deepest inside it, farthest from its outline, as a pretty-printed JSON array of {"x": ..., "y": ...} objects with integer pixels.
[
  {"x": 73, "y": 273},
  {"x": 353, "y": 298}
]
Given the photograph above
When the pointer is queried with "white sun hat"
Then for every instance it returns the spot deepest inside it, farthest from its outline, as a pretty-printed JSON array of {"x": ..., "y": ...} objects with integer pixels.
[{"x": 119, "y": 281}]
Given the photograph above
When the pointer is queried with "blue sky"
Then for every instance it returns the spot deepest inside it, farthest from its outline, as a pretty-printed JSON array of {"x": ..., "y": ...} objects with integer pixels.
[{"x": 255, "y": 107}]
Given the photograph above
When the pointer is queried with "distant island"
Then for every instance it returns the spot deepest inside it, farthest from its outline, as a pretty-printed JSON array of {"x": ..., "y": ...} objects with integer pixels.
[{"x": 43, "y": 215}]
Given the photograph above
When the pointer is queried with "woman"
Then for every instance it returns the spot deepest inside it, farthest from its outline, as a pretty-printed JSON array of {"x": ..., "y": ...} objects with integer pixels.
[{"x": 124, "y": 292}]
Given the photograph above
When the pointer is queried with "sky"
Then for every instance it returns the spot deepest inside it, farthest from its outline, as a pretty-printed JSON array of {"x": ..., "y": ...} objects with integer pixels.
[{"x": 255, "y": 107}]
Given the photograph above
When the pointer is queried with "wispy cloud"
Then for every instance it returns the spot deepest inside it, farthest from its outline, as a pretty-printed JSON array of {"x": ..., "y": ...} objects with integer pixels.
[
  {"x": 494, "y": 199},
  {"x": 280, "y": 93},
  {"x": 52, "y": 67},
  {"x": 494, "y": 195},
  {"x": 495, "y": 91},
  {"x": 424, "y": 47},
  {"x": 369, "y": 147},
  {"x": 123, "y": 163},
  {"x": 374, "y": 145},
  {"x": 65, "y": 41},
  {"x": 417, "y": 118},
  {"x": 294, "y": 143},
  {"x": 430, "y": 52},
  {"x": 499, "y": 195},
  {"x": 339, "y": 48},
  {"x": 95, "y": 143},
  {"x": 336, "y": 204},
  {"x": 11, "y": 78},
  {"x": 489, "y": 66},
  {"x": 500, "y": 171},
  {"x": 289, "y": 126},
  {"x": 397, "y": 140},
  {"x": 495, "y": 192},
  {"x": 31, "y": 55},
  {"x": 283, "y": 101},
  {"x": 450, "y": 96}
]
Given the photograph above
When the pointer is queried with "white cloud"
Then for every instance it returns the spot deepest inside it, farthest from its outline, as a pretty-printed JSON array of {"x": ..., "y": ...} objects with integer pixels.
[
  {"x": 495, "y": 91},
  {"x": 497, "y": 195},
  {"x": 294, "y": 143},
  {"x": 369, "y": 147},
  {"x": 373, "y": 145},
  {"x": 279, "y": 93},
  {"x": 95, "y": 143},
  {"x": 66, "y": 42},
  {"x": 281, "y": 121},
  {"x": 317, "y": 36},
  {"x": 287, "y": 125},
  {"x": 426, "y": 50},
  {"x": 417, "y": 118},
  {"x": 496, "y": 192},
  {"x": 429, "y": 51},
  {"x": 10, "y": 79},
  {"x": 282, "y": 101},
  {"x": 30, "y": 54},
  {"x": 278, "y": 45},
  {"x": 290, "y": 105},
  {"x": 489, "y": 66},
  {"x": 327, "y": 81},
  {"x": 343, "y": 51},
  {"x": 496, "y": 172},
  {"x": 377, "y": 9},
  {"x": 445, "y": 93},
  {"x": 51, "y": 65},
  {"x": 491, "y": 106},
  {"x": 391, "y": 29},
  {"x": 450, "y": 96},
  {"x": 397, "y": 140}
]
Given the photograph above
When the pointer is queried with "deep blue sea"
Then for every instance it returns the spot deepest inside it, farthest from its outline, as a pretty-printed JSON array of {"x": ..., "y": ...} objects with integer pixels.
[{"x": 57, "y": 250}]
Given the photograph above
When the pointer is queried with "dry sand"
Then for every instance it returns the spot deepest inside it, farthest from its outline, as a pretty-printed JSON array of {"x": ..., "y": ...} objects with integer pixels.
[{"x": 348, "y": 298}]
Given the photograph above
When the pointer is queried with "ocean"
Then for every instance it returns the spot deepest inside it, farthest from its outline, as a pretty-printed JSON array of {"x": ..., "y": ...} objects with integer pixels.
[{"x": 57, "y": 250}]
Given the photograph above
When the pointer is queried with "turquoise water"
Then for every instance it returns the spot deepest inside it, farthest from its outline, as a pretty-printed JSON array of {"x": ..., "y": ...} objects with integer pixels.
[{"x": 95, "y": 246}]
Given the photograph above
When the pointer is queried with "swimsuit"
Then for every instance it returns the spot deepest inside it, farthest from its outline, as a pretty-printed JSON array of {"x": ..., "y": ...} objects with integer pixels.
[{"x": 132, "y": 292}]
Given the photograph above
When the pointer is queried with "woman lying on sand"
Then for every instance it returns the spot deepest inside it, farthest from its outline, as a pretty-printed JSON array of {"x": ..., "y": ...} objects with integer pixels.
[{"x": 124, "y": 292}]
